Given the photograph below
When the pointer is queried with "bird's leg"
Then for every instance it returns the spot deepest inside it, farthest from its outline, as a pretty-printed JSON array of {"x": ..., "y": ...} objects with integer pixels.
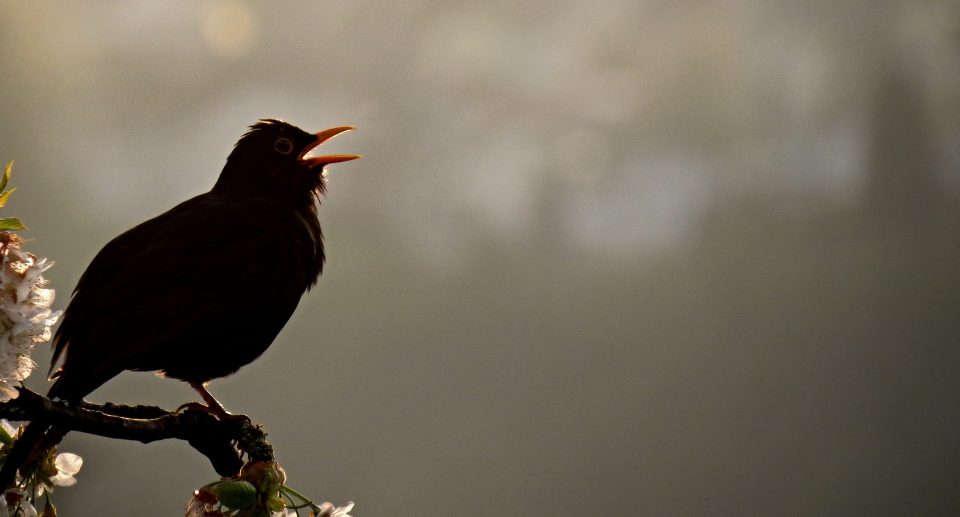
[
  {"x": 212, "y": 403},
  {"x": 213, "y": 406}
]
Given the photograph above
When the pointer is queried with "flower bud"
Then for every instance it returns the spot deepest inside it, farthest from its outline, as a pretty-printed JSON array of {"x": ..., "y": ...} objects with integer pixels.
[{"x": 267, "y": 476}]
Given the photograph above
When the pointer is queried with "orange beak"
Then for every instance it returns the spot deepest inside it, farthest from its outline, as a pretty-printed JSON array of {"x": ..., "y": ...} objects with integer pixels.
[{"x": 323, "y": 136}]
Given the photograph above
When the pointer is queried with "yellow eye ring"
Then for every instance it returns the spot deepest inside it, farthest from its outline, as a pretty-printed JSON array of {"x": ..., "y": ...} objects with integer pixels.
[{"x": 283, "y": 146}]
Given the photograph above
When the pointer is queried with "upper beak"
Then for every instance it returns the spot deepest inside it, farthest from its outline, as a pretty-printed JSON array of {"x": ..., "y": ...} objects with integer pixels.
[{"x": 321, "y": 137}]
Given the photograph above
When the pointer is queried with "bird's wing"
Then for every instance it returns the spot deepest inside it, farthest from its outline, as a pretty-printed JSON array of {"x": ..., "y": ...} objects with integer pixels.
[
  {"x": 105, "y": 267},
  {"x": 210, "y": 269}
]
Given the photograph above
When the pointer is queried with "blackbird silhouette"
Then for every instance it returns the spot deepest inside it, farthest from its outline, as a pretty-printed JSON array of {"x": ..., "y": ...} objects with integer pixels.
[{"x": 203, "y": 289}]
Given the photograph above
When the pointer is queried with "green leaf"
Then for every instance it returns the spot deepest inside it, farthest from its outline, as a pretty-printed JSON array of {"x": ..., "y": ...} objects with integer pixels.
[
  {"x": 6, "y": 176},
  {"x": 5, "y": 196},
  {"x": 11, "y": 223},
  {"x": 235, "y": 494},
  {"x": 5, "y": 437}
]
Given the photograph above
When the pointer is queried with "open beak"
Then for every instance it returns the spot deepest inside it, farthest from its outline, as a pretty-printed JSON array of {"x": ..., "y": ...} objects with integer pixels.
[{"x": 323, "y": 136}]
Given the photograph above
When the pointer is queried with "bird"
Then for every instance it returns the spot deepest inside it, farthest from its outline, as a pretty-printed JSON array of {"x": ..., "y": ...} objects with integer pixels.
[{"x": 203, "y": 289}]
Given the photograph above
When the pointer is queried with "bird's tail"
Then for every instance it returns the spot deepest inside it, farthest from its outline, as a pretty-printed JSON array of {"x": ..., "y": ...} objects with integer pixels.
[{"x": 36, "y": 438}]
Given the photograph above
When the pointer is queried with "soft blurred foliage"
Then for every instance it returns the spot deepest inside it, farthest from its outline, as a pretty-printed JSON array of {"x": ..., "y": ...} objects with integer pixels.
[{"x": 627, "y": 257}]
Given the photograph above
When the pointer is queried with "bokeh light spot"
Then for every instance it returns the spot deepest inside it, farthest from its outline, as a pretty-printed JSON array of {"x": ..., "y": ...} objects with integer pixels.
[{"x": 229, "y": 27}]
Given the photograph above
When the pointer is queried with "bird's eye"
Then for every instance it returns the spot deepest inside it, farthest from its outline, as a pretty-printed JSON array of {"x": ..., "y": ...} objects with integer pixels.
[{"x": 283, "y": 146}]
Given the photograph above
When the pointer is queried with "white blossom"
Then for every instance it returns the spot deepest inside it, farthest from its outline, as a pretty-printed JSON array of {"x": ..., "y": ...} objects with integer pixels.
[
  {"x": 68, "y": 464},
  {"x": 197, "y": 508},
  {"x": 18, "y": 504},
  {"x": 25, "y": 315},
  {"x": 25, "y": 509},
  {"x": 328, "y": 510}
]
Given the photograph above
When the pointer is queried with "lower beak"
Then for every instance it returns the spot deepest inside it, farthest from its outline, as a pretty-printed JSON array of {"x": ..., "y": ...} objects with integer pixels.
[{"x": 321, "y": 137}]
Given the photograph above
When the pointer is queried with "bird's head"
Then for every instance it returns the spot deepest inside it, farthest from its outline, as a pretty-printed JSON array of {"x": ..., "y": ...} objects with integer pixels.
[{"x": 272, "y": 158}]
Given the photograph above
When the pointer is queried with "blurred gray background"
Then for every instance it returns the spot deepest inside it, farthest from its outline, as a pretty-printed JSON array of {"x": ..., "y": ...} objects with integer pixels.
[{"x": 626, "y": 257}]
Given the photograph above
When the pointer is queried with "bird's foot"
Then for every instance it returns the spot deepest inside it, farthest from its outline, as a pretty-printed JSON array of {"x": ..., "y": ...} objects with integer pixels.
[
  {"x": 194, "y": 406},
  {"x": 212, "y": 407},
  {"x": 217, "y": 411}
]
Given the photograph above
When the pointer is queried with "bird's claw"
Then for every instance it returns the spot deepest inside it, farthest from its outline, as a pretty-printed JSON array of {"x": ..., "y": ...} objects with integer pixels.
[
  {"x": 220, "y": 413},
  {"x": 194, "y": 406},
  {"x": 230, "y": 417}
]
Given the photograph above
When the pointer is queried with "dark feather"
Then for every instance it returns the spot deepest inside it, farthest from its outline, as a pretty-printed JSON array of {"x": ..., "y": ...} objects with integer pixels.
[{"x": 196, "y": 293}]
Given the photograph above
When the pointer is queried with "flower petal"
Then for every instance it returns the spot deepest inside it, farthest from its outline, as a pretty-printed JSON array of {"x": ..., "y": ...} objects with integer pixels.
[
  {"x": 9, "y": 428},
  {"x": 7, "y": 391},
  {"x": 61, "y": 480},
  {"x": 342, "y": 511},
  {"x": 68, "y": 463}
]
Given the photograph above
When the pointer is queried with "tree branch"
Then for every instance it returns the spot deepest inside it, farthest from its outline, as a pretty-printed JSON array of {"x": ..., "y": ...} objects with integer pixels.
[{"x": 223, "y": 442}]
